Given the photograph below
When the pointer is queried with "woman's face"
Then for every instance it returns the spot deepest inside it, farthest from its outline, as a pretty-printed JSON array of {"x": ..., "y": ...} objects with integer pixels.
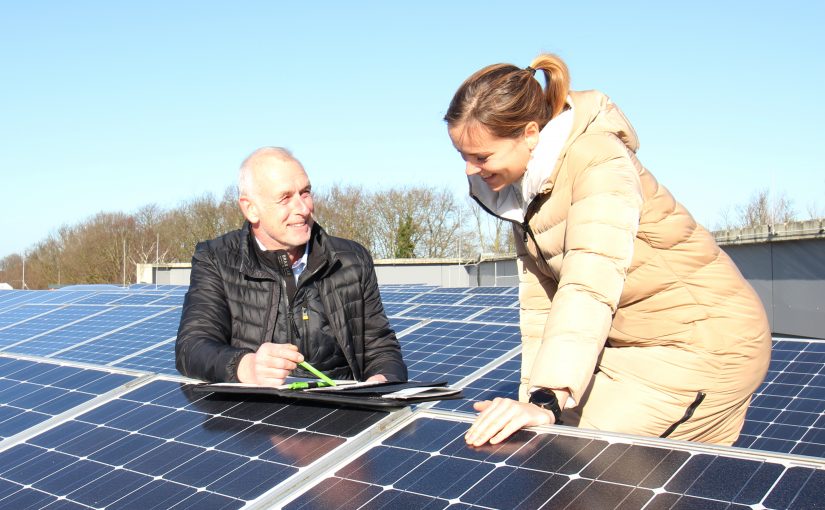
[{"x": 498, "y": 161}]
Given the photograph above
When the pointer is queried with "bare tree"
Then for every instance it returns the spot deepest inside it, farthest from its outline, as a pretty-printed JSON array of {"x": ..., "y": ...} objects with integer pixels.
[
  {"x": 762, "y": 209},
  {"x": 344, "y": 211}
]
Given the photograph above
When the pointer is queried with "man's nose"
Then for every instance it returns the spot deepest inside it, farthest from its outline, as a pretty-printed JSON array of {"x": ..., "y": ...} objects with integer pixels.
[{"x": 302, "y": 205}]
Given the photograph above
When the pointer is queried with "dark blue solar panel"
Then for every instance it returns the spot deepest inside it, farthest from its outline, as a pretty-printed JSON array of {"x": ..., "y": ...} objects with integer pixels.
[
  {"x": 502, "y": 381},
  {"x": 427, "y": 464},
  {"x": 787, "y": 411},
  {"x": 171, "y": 300},
  {"x": 12, "y": 298},
  {"x": 21, "y": 313},
  {"x": 32, "y": 392},
  {"x": 102, "y": 298},
  {"x": 127, "y": 341},
  {"x": 497, "y": 314},
  {"x": 395, "y": 308},
  {"x": 446, "y": 312},
  {"x": 88, "y": 328},
  {"x": 159, "y": 359},
  {"x": 144, "y": 298},
  {"x": 453, "y": 351},
  {"x": 491, "y": 300},
  {"x": 62, "y": 296},
  {"x": 400, "y": 325},
  {"x": 493, "y": 290},
  {"x": 439, "y": 298},
  {"x": 396, "y": 297},
  {"x": 160, "y": 444},
  {"x": 58, "y": 318}
]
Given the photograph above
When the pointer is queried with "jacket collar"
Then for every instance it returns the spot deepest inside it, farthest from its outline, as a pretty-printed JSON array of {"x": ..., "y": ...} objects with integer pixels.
[
  {"x": 512, "y": 202},
  {"x": 319, "y": 253}
]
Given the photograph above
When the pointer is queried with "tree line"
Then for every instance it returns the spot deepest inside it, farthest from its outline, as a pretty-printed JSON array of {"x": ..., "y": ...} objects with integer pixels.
[
  {"x": 404, "y": 222},
  {"x": 401, "y": 222}
]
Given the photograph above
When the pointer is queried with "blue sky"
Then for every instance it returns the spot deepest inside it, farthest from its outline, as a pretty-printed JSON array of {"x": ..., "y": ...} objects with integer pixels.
[{"x": 108, "y": 106}]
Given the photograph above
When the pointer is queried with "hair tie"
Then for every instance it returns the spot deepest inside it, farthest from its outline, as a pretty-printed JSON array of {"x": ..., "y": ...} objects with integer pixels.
[{"x": 530, "y": 70}]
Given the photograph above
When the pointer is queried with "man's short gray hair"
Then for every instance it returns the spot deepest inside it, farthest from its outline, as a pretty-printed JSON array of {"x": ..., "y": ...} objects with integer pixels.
[{"x": 246, "y": 178}]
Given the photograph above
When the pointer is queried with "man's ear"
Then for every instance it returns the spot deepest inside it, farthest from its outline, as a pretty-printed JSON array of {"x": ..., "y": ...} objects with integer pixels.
[{"x": 249, "y": 209}]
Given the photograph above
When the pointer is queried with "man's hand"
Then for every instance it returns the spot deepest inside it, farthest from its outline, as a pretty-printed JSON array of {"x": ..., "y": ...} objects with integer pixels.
[
  {"x": 270, "y": 365},
  {"x": 501, "y": 417},
  {"x": 376, "y": 377}
]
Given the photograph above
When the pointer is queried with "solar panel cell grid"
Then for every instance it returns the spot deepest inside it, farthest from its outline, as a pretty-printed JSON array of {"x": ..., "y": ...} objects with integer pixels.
[
  {"x": 58, "y": 318},
  {"x": 445, "y": 312},
  {"x": 127, "y": 341},
  {"x": 162, "y": 442},
  {"x": 85, "y": 329},
  {"x": 428, "y": 459},
  {"x": 787, "y": 413},
  {"x": 32, "y": 392}
]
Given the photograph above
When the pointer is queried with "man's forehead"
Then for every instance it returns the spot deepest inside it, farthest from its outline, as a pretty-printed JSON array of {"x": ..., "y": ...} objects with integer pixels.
[{"x": 282, "y": 174}]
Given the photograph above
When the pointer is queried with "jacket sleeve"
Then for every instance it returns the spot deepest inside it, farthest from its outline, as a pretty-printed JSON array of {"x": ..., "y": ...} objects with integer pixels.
[
  {"x": 382, "y": 352},
  {"x": 601, "y": 226},
  {"x": 203, "y": 349}
]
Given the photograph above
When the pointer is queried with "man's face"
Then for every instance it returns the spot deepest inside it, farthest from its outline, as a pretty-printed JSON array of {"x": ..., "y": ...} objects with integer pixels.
[{"x": 280, "y": 208}]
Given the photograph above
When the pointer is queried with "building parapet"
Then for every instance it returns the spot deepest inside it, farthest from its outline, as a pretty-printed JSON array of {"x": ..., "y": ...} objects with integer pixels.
[{"x": 791, "y": 231}]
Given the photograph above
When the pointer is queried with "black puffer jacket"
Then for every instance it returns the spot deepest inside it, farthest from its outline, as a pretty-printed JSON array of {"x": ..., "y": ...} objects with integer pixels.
[{"x": 231, "y": 308}]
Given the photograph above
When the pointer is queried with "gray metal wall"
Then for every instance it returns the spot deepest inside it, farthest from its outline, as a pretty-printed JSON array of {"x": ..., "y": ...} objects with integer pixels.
[{"x": 789, "y": 277}]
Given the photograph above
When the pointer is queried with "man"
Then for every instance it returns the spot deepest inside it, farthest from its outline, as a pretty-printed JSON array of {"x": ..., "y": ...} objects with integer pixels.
[{"x": 281, "y": 290}]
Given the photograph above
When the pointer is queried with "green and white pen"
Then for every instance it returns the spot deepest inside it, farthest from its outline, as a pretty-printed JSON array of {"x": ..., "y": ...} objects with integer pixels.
[{"x": 317, "y": 373}]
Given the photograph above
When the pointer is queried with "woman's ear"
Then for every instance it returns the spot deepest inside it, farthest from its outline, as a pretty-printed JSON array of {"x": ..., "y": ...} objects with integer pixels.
[{"x": 531, "y": 134}]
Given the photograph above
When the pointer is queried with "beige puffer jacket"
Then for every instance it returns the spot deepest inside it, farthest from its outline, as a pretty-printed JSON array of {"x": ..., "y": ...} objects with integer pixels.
[{"x": 607, "y": 255}]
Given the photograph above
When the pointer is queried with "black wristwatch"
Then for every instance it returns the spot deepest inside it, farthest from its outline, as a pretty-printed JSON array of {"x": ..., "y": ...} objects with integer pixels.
[{"x": 546, "y": 399}]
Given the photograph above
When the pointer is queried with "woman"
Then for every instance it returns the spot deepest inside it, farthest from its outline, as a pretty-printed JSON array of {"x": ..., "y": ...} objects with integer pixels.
[{"x": 632, "y": 318}]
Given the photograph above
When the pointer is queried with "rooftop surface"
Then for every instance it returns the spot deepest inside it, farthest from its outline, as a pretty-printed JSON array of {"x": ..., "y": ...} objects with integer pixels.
[{"x": 93, "y": 414}]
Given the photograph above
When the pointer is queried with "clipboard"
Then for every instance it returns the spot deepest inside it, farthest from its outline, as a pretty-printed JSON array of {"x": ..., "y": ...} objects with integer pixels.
[{"x": 382, "y": 395}]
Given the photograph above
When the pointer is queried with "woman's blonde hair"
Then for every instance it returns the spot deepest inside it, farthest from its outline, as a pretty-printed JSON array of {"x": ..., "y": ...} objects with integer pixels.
[{"x": 505, "y": 98}]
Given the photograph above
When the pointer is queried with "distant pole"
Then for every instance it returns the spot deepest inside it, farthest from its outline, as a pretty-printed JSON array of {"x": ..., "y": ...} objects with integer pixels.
[
  {"x": 157, "y": 259},
  {"x": 124, "y": 261}
]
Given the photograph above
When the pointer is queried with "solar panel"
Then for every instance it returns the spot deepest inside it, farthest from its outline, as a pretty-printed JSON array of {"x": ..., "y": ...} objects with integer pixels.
[
  {"x": 395, "y": 308},
  {"x": 101, "y": 298},
  {"x": 69, "y": 441},
  {"x": 500, "y": 381},
  {"x": 493, "y": 290},
  {"x": 427, "y": 464},
  {"x": 396, "y": 297},
  {"x": 19, "y": 314},
  {"x": 400, "y": 325},
  {"x": 56, "y": 319},
  {"x": 127, "y": 341},
  {"x": 498, "y": 314},
  {"x": 32, "y": 392},
  {"x": 162, "y": 445},
  {"x": 159, "y": 359},
  {"x": 438, "y": 298},
  {"x": 491, "y": 300},
  {"x": 446, "y": 312},
  {"x": 787, "y": 413},
  {"x": 446, "y": 350},
  {"x": 145, "y": 298},
  {"x": 108, "y": 320}
]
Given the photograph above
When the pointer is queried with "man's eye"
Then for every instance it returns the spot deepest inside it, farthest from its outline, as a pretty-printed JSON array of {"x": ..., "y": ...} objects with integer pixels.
[{"x": 481, "y": 159}]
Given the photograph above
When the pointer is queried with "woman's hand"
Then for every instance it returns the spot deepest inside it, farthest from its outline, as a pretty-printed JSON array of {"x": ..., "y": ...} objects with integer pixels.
[{"x": 501, "y": 417}]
